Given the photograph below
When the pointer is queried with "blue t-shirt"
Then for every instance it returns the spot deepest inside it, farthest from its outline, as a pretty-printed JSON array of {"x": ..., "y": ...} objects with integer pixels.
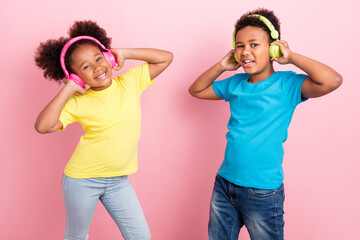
[{"x": 260, "y": 117}]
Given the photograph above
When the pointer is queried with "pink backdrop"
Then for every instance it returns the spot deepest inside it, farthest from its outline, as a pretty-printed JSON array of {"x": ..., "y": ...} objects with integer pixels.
[{"x": 183, "y": 139}]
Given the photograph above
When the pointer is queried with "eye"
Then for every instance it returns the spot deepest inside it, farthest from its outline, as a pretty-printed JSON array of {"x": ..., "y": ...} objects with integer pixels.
[
  {"x": 254, "y": 45},
  {"x": 240, "y": 46},
  {"x": 98, "y": 59},
  {"x": 86, "y": 67}
]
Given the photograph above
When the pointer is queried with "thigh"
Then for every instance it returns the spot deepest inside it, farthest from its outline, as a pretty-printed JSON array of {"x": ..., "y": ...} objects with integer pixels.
[
  {"x": 263, "y": 214},
  {"x": 224, "y": 221},
  {"x": 80, "y": 199},
  {"x": 121, "y": 202}
]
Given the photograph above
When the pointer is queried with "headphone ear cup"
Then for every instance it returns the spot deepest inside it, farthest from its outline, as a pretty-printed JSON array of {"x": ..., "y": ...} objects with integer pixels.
[
  {"x": 110, "y": 58},
  {"x": 236, "y": 58},
  {"x": 275, "y": 52},
  {"x": 77, "y": 80},
  {"x": 234, "y": 38}
]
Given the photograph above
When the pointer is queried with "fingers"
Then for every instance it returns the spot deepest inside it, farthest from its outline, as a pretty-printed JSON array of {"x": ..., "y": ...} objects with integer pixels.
[
  {"x": 280, "y": 43},
  {"x": 65, "y": 80},
  {"x": 83, "y": 90},
  {"x": 117, "y": 67},
  {"x": 228, "y": 62},
  {"x": 80, "y": 90},
  {"x": 284, "y": 46}
]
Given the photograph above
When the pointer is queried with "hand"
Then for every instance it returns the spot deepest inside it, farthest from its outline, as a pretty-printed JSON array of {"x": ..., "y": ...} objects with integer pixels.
[
  {"x": 76, "y": 89},
  {"x": 285, "y": 50},
  {"x": 119, "y": 54},
  {"x": 229, "y": 62}
]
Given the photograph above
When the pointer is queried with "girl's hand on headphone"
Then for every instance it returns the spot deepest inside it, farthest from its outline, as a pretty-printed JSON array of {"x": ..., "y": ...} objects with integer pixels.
[
  {"x": 119, "y": 54},
  {"x": 285, "y": 50},
  {"x": 229, "y": 62},
  {"x": 73, "y": 87}
]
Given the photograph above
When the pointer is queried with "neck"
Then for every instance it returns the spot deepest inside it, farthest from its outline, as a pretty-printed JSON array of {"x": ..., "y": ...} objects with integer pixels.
[{"x": 258, "y": 77}]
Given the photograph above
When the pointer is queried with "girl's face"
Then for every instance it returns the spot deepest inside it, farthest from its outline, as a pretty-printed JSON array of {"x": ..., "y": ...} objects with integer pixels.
[
  {"x": 252, "y": 50},
  {"x": 90, "y": 65}
]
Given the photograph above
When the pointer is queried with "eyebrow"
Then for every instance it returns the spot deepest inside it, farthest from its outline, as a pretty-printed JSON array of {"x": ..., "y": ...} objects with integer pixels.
[
  {"x": 251, "y": 40},
  {"x": 86, "y": 61}
]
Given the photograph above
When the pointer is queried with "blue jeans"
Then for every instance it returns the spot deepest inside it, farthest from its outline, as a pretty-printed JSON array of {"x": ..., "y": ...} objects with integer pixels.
[
  {"x": 232, "y": 207},
  {"x": 118, "y": 197}
]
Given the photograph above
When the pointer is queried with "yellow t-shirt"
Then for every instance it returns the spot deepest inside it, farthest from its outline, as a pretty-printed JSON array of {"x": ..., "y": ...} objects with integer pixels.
[{"x": 111, "y": 119}]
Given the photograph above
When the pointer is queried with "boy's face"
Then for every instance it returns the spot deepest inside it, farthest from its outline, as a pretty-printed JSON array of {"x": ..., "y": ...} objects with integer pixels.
[
  {"x": 252, "y": 50},
  {"x": 90, "y": 65}
]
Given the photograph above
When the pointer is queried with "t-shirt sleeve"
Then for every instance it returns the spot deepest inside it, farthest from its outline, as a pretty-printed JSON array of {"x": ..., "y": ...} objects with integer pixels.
[
  {"x": 68, "y": 113},
  {"x": 293, "y": 85},
  {"x": 221, "y": 88},
  {"x": 140, "y": 76}
]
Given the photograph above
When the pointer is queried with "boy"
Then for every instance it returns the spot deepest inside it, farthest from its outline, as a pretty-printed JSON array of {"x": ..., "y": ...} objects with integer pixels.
[{"x": 248, "y": 189}]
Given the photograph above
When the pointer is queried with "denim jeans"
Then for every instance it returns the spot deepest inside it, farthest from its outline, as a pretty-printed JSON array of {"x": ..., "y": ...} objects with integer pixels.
[
  {"x": 232, "y": 207},
  {"x": 118, "y": 197}
]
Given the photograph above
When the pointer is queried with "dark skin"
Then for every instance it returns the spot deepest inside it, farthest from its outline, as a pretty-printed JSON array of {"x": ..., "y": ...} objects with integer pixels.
[
  {"x": 89, "y": 64},
  {"x": 252, "y": 50}
]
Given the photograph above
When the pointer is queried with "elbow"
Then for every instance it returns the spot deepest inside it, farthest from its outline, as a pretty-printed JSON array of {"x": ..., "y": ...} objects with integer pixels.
[
  {"x": 169, "y": 58},
  {"x": 339, "y": 80},
  {"x": 192, "y": 92},
  {"x": 40, "y": 128},
  {"x": 336, "y": 83}
]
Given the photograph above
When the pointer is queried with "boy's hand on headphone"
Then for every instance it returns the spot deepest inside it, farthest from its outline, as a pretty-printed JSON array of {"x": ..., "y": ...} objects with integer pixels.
[
  {"x": 285, "y": 50},
  {"x": 119, "y": 54},
  {"x": 73, "y": 87},
  {"x": 229, "y": 62}
]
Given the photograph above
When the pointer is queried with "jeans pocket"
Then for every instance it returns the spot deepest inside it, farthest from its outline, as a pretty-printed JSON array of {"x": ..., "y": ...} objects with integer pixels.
[{"x": 261, "y": 193}]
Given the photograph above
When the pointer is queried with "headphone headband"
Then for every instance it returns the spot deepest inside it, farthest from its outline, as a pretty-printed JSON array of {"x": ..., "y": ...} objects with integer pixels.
[
  {"x": 273, "y": 32},
  {"x": 69, "y": 43}
]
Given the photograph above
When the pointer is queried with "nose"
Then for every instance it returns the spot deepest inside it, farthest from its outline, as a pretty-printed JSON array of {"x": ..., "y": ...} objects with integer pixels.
[
  {"x": 96, "y": 67},
  {"x": 245, "y": 51}
]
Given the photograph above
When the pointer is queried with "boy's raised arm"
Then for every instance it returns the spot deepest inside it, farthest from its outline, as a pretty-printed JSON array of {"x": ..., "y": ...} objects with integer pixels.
[
  {"x": 202, "y": 86},
  {"x": 322, "y": 78}
]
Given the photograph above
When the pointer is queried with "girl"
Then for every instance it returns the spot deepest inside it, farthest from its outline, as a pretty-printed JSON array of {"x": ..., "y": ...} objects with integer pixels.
[
  {"x": 249, "y": 188},
  {"x": 109, "y": 111}
]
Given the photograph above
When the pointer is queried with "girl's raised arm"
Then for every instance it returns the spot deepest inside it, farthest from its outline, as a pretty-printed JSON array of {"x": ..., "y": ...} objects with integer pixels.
[
  {"x": 157, "y": 59},
  {"x": 48, "y": 119}
]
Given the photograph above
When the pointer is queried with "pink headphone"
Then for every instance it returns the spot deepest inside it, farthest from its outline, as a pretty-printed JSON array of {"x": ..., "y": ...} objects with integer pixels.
[{"x": 107, "y": 54}]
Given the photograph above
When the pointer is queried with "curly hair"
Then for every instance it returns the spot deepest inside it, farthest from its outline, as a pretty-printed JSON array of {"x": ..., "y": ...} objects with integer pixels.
[
  {"x": 47, "y": 55},
  {"x": 245, "y": 21}
]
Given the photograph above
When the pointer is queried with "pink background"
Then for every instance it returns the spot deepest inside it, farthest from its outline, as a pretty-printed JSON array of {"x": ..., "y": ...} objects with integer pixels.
[{"x": 183, "y": 139}]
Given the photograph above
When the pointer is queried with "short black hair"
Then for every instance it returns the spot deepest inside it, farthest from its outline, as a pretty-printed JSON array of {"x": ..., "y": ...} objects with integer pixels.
[
  {"x": 245, "y": 21},
  {"x": 47, "y": 55}
]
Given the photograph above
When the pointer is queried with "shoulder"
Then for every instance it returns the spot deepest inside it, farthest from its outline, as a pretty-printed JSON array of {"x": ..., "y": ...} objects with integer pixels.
[
  {"x": 233, "y": 80},
  {"x": 286, "y": 75},
  {"x": 134, "y": 72}
]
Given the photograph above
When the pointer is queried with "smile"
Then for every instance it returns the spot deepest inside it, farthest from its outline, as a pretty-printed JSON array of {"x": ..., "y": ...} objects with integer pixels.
[
  {"x": 247, "y": 63},
  {"x": 102, "y": 76}
]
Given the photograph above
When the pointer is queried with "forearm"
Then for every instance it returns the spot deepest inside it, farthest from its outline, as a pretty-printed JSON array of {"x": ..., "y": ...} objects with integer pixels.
[
  {"x": 150, "y": 55},
  {"x": 206, "y": 79},
  {"x": 157, "y": 59},
  {"x": 48, "y": 119}
]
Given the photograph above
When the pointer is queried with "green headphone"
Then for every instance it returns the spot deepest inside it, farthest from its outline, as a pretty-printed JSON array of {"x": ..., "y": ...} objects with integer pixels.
[{"x": 274, "y": 50}]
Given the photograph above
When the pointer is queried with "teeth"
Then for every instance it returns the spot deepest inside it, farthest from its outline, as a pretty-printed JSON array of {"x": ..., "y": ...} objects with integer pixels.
[
  {"x": 102, "y": 75},
  {"x": 247, "y": 61}
]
